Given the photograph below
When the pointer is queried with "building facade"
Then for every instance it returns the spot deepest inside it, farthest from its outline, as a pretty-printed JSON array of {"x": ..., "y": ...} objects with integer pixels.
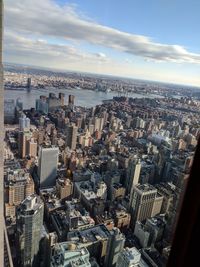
[
  {"x": 47, "y": 166},
  {"x": 29, "y": 224},
  {"x": 144, "y": 202},
  {"x": 71, "y": 136}
]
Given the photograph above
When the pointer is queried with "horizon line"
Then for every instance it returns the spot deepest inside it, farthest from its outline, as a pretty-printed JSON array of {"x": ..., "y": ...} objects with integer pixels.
[{"x": 100, "y": 74}]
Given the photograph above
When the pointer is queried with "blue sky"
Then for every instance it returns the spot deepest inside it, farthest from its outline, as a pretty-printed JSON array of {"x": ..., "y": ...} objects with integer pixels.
[
  {"x": 146, "y": 39},
  {"x": 171, "y": 21},
  {"x": 164, "y": 19}
]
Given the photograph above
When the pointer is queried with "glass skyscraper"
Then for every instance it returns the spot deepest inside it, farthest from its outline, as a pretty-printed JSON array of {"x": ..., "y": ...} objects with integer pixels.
[{"x": 29, "y": 225}]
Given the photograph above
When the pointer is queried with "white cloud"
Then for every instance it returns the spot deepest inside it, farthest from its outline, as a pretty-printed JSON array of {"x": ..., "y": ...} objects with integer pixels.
[
  {"x": 39, "y": 53},
  {"x": 39, "y": 49},
  {"x": 46, "y": 19}
]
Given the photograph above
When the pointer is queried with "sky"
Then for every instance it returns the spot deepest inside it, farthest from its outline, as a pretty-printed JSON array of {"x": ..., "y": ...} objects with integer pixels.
[{"x": 144, "y": 39}]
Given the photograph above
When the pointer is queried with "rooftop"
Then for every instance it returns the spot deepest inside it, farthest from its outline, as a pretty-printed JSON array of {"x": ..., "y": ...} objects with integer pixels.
[
  {"x": 132, "y": 254},
  {"x": 31, "y": 203},
  {"x": 90, "y": 235},
  {"x": 90, "y": 189},
  {"x": 145, "y": 187},
  {"x": 69, "y": 254}
]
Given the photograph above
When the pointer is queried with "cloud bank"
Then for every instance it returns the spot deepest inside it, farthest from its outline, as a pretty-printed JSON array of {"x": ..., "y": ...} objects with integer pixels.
[
  {"x": 42, "y": 50},
  {"x": 29, "y": 24}
]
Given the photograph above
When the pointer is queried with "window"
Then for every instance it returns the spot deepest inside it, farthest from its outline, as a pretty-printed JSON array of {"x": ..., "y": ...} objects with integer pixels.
[{"x": 101, "y": 118}]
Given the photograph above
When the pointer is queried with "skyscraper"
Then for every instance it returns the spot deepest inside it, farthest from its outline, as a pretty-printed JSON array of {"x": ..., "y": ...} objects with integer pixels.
[
  {"x": 42, "y": 105},
  {"x": 32, "y": 148},
  {"x": 62, "y": 99},
  {"x": 145, "y": 202},
  {"x": 133, "y": 175},
  {"x": 24, "y": 122},
  {"x": 97, "y": 123},
  {"x": 9, "y": 110},
  {"x": 8, "y": 262},
  {"x": 53, "y": 102},
  {"x": 47, "y": 166},
  {"x": 23, "y": 137},
  {"x": 29, "y": 84},
  {"x": 71, "y": 100},
  {"x": 116, "y": 245},
  {"x": 71, "y": 136},
  {"x": 29, "y": 224}
]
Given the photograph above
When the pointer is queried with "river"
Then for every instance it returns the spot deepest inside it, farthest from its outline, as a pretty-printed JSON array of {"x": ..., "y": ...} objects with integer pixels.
[{"x": 84, "y": 98}]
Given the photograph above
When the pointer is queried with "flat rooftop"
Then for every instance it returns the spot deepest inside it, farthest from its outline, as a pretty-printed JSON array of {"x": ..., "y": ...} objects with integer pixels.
[
  {"x": 145, "y": 187},
  {"x": 90, "y": 235}
]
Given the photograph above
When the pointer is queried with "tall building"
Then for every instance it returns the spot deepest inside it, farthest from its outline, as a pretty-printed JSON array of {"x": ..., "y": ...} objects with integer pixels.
[
  {"x": 53, "y": 102},
  {"x": 71, "y": 100},
  {"x": 145, "y": 202},
  {"x": 42, "y": 105},
  {"x": 97, "y": 124},
  {"x": 23, "y": 137},
  {"x": 9, "y": 110},
  {"x": 18, "y": 185},
  {"x": 96, "y": 240},
  {"x": 133, "y": 175},
  {"x": 85, "y": 139},
  {"x": 64, "y": 188},
  {"x": 62, "y": 99},
  {"x": 91, "y": 128},
  {"x": 101, "y": 123},
  {"x": 101, "y": 243},
  {"x": 71, "y": 136},
  {"x": 32, "y": 148},
  {"x": 24, "y": 123},
  {"x": 151, "y": 231},
  {"x": 116, "y": 245},
  {"x": 47, "y": 166},
  {"x": 28, "y": 84},
  {"x": 8, "y": 262},
  {"x": 29, "y": 225}
]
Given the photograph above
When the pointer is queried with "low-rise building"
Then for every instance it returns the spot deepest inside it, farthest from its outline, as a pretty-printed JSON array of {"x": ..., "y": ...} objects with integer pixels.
[
  {"x": 130, "y": 257},
  {"x": 69, "y": 254},
  {"x": 72, "y": 217}
]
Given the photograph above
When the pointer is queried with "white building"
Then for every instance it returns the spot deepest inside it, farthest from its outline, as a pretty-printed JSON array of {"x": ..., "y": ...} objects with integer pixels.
[
  {"x": 24, "y": 123},
  {"x": 69, "y": 254},
  {"x": 130, "y": 257},
  {"x": 47, "y": 166}
]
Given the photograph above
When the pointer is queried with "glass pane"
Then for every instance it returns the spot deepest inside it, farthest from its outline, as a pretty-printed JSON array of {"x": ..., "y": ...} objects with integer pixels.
[{"x": 101, "y": 118}]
